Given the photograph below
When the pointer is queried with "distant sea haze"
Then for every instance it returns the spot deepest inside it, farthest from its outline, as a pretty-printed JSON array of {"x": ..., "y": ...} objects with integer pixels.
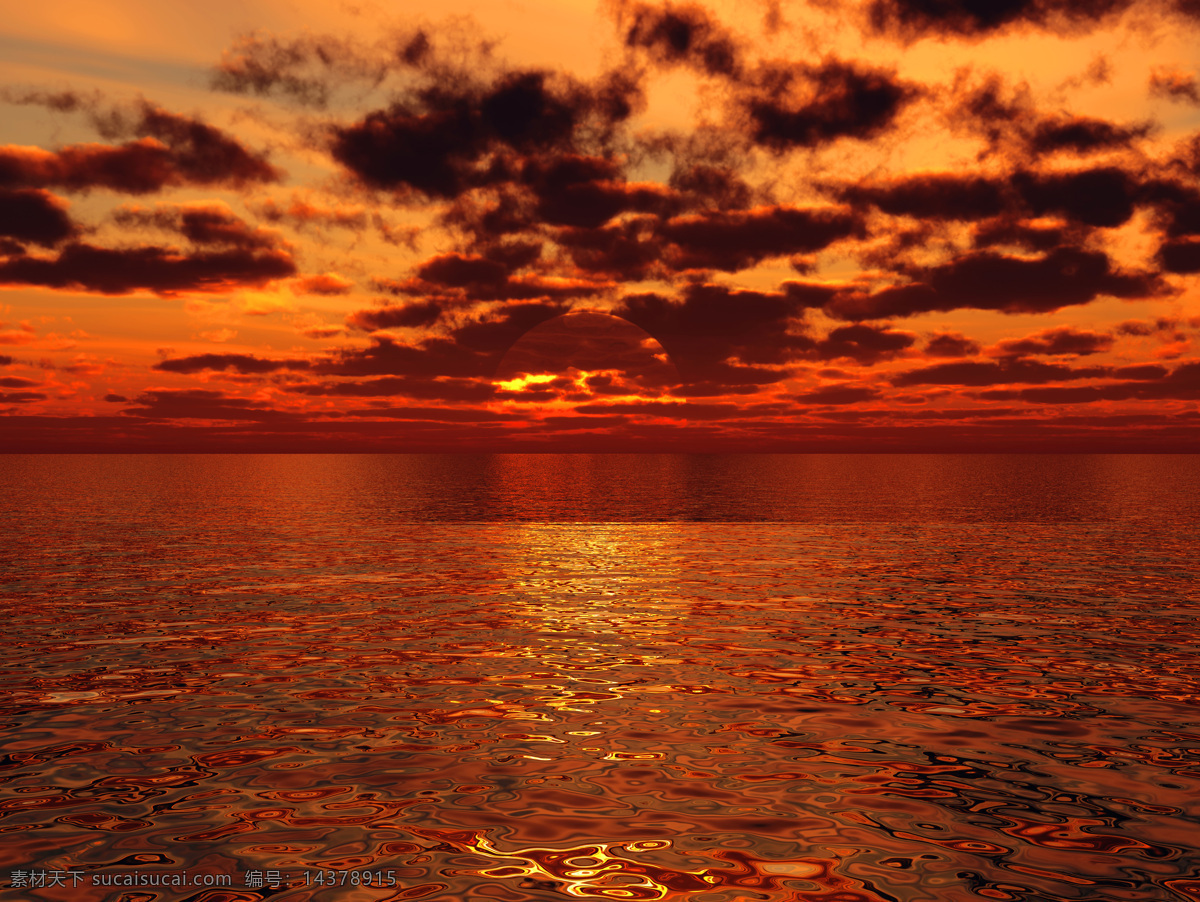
[
  {"x": 355, "y": 491},
  {"x": 936, "y": 678}
]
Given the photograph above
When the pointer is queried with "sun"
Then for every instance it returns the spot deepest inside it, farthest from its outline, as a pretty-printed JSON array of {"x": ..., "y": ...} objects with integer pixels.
[{"x": 585, "y": 356}]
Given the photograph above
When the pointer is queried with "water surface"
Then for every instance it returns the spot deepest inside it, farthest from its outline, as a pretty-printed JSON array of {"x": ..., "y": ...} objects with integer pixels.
[{"x": 711, "y": 678}]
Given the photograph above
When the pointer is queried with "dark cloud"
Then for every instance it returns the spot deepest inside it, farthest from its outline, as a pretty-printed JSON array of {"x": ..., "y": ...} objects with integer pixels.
[
  {"x": 1182, "y": 383},
  {"x": 214, "y": 225},
  {"x": 440, "y": 414},
  {"x": 1058, "y": 341},
  {"x": 5, "y": 360},
  {"x": 863, "y": 343},
  {"x": 195, "y": 403},
  {"x": 1142, "y": 371},
  {"x": 1096, "y": 197},
  {"x": 17, "y": 382},
  {"x": 455, "y": 279},
  {"x": 462, "y": 271},
  {"x": 1177, "y": 206},
  {"x": 164, "y": 271},
  {"x": 737, "y": 239},
  {"x": 29, "y": 215},
  {"x": 169, "y": 150},
  {"x": 589, "y": 341},
  {"x": 838, "y": 394},
  {"x": 951, "y": 344},
  {"x": 588, "y": 191},
  {"x": 433, "y": 356},
  {"x": 1008, "y": 370},
  {"x": 686, "y": 410},
  {"x": 703, "y": 184},
  {"x": 1031, "y": 235},
  {"x": 115, "y": 398},
  {"x": 405, "y": 316},
  {"x": 680, "y": 34},
  {"x": 1180, "y": 256},
  {"x": 1141, "y": 328},
  {"x": 464, "y": 390},
  {"x": 912, "y": 19},
  {"x": 495, "y": 333},
  {"x": 805, "y": 106},
  {"x": 713, "y": 324},
  {"x": 1100, "y": 197},
  {"x": 984, "y": 280},
  {"x": 630, "y": 249},
  {"x": 452, "y": 137},
  {"x": 239, "y": 363},
  {"x": 940, "y": 196},
  {"x": 471, "y": 348},
  {"x": 1007, "y": 118},
  {"x": 21, "y": 397},
  {"x": 1083, "y": 134}
]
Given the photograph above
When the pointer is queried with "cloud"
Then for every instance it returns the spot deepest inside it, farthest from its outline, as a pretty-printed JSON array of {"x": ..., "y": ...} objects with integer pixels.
[
  {"x": 461, "y": 390},
  {"x": 1026, "y": 234},
  {"x": 951, "y": 344},
  {"x": 163, "y": 271},
  {"x": 37, "y": 217},
  {"x": 1182, "y": 383},
  {"x": 404, "y": 316},
  {"x": 937, "y": 196},
  {"x": 984, "y": 280},
  {"x": 863, "y": 343},
  {"x": 23, "y": 335},
  {"x": 1007, "y": 118},
  {"x": 168, "y": 150},
  {"x": 737, "y": 239},
  {"x": 195, "y": 403},
  {"x": 301, "y": 213},
  {"x": 1141, "y": 328},
  {"x": 1058, "y": 341},
  {"x": 713, "y": 324},
  {"x": 838, "y": 394},
  {"x": 309, "y": 69},
  {"x": 588, "y": 191},
  {"x": 1007, "y": 370},
  {"x": 471, "y": 347},
  {"x": 912, "y": 19},
  {"x": 239, "y": 363},
  {"x": 808, "y": 105},
  {"x": 1084, "y": 134},
  {"x": 1180, "y": 256},
  {"x": 451, "y": 138},
  {"x": 208, "y": 224},
  {"x": 329, "y": 283},
  {"x": 1096, "y": 197},
  {"x": 455, "y": 279},
  {"x": 683, "y": 34},
  {"x": 1175, "y": 84},
  {"x": 438, "y": 414}
]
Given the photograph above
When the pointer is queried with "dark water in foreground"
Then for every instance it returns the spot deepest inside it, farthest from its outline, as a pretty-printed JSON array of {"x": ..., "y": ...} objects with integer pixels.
[{"x": 830, "y": 678}]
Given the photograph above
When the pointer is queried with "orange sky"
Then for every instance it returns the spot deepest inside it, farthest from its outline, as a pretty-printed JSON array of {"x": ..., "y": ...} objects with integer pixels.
[{"x": 880, "y": 225}]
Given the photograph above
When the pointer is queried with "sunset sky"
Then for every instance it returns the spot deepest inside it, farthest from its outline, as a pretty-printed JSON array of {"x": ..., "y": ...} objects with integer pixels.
[{"x": 834, "y": 225}]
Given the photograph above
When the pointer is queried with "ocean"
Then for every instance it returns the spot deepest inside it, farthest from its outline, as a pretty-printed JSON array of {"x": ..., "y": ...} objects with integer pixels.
[{"x": 719, "y": 678}]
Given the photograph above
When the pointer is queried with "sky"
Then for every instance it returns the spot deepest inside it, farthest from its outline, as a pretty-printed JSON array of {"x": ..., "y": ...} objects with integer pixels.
[{"x": 562, "y": 225}]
